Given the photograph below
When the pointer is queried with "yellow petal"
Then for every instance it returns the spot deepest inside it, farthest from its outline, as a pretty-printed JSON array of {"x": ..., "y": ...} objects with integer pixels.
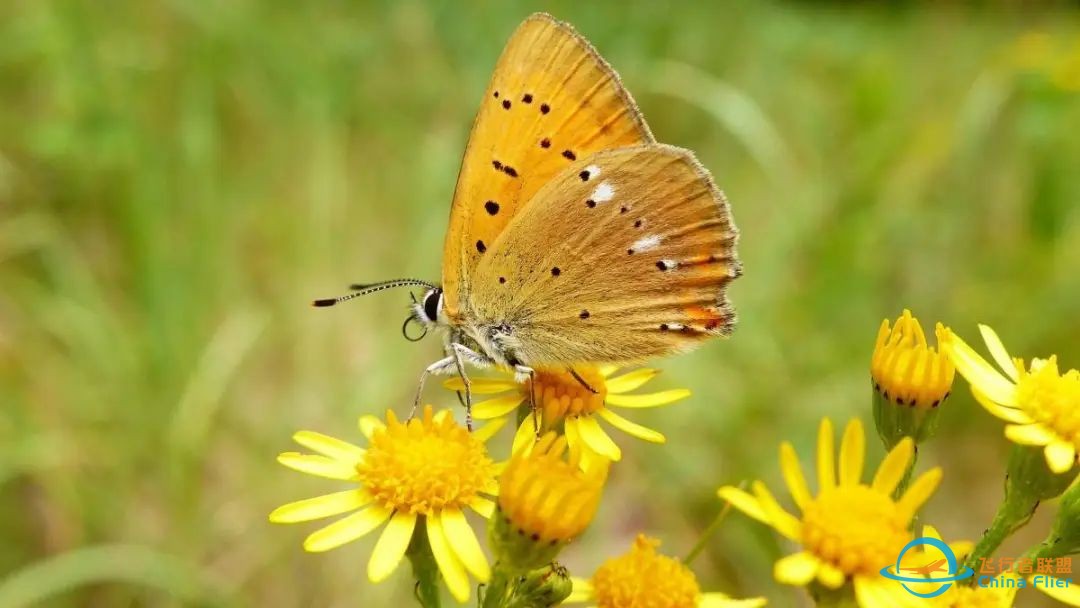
[
  {"x": 929, "y": 531},
  {"x": 631, "y": 428},
  {"x": 483, "y": 506},
  {"x": 321, "y": 466},
  {"x": 369, "y": 424},
  {"x": 607, "y": 370},
  {"x": 496, "y": 407},
  {"x": 582, "y": 591},
  {"x": 791, "y": 468},
  {"x": 894, "y": 467},
  {"x": 1008, "y": 414},
  {"x": 784, "y": 522},
  {"x": 719, "y": 600},
  {"x": 797, "y": 569},
  {"x": 630, "y": 380},
  {"x": 878, "y": 592},
  {"x": 1030, "y": 434},
  {"x": 391, "y": 546},
  {"x": 831, "y": 576},
  {"x": 743, "y": 501},
  {"x": 920, "y": 490},
  {"x": 980, "y": 373},
  {"x": 597, "y": 440},
  {"x": 648, "y": 399},
  {"x": 329, "y": 446},
  {"x": 526, "y": 432},
  {"x": 464, "y": 543},
  {"x": 998, "y": 352},
  {"x": 1060, "y": 456},
  {"x": 320, "y": 506},
  {"x": 852, "y": 452},
  {"x": 481, "y": 386},
  {"x": 826, "y": 466},
  {"x": 346, "y": 529},
  {"x": 488, "y": 431},
  {"x": 449, "y": 565}
]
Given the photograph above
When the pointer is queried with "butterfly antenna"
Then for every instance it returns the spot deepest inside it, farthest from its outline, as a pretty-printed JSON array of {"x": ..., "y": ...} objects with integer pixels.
[{"x": 363, "y": 289}]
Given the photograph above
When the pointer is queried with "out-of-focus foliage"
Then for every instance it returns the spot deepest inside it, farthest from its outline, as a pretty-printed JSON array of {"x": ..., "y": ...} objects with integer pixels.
[{"x": 178, "y": 179}]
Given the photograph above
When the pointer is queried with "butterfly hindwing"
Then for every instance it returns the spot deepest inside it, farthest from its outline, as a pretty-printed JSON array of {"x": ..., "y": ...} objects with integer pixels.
[
  {"x": 622, "y": 256},
  {"x": 552, "y": 100}
]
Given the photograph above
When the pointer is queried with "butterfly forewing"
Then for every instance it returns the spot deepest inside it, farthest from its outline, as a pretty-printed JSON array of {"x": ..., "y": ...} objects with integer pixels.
[
  {"x": 622, "y": 256},
  {"x": 551, "y": 102}
]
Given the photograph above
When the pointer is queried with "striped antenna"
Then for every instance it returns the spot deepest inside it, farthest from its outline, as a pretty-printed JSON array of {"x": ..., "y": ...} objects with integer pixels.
[{"x": 363, "y": 289}]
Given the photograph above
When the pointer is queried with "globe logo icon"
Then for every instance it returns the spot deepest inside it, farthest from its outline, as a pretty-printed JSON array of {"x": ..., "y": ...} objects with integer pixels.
[{"x": 946, "y": 565}]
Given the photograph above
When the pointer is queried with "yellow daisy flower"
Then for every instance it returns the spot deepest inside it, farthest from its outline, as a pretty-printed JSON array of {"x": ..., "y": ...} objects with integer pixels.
[
  {"x": 1041, "y": 405},
  {"x": 643, "y": 577},
  {"x": 849, "y": 530},
  {"x": 562, "y": 398},
  {"x": 906, "y": 369},
  {"x": 426, "y": 470}
]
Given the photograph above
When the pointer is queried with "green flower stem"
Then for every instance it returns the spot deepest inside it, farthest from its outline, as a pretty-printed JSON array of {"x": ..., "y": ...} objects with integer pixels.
[
  {"x": 699, "y": 546},
  {"x": 425, "y": 570},
  {"x": 1027, "y": 483},
  {"x": 497, "y": 591}
]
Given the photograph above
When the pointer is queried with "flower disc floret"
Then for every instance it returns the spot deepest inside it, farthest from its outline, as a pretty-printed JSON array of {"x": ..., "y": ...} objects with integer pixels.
[
  {"x": 425, "y": 465},
  {"x": 643, "y": 577}
]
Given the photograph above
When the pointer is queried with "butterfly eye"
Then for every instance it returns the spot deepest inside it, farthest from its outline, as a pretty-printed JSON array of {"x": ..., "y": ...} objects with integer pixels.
[{"x": 432, "y": 300}]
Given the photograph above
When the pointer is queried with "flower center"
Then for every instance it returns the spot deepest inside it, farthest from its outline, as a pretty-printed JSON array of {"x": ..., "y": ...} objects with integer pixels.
[
  {"x": 425, "y": 465},
  {"x": 1051, "y": 398},
  {"x": 560, "y": 394},
  {"x": 643, "y": 577},
  {"x": 855, "y": 528}
]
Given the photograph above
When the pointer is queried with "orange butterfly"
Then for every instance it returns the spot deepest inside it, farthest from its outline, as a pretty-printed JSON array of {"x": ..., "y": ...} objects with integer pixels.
[{"x": 574, "y": 237}]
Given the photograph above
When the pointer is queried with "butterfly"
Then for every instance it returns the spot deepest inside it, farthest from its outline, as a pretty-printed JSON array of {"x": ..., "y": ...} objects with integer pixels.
[{"x": 574, "y": 237}]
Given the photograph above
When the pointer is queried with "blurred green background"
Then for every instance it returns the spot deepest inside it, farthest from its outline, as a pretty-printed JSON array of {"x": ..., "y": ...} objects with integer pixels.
[{"x": 178, "y": 179}]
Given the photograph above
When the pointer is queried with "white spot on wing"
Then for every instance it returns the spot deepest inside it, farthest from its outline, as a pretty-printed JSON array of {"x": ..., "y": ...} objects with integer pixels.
[
  {"x": 593, "y": 171},
  {"x": 603, "y": 193},
  {"x": 646, "y": 243}
]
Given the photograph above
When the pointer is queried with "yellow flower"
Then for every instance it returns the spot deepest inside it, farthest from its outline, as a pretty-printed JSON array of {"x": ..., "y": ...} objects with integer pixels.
[
  {"x": 643, "y": 577},
  {"x": 545, "y": 501},
  {"x": 849, "y": 530},
  {"x": 425, "y": 470},
  {"x": 1041, "y": 404},
  {"x": 905, "y": 369},
  {"x": 562, "y": 398}
]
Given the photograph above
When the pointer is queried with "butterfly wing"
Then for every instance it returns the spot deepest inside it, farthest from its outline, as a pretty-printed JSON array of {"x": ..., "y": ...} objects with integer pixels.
[
  {"x": 622, "y": 256},
  {"x": 551, "y": 100}
]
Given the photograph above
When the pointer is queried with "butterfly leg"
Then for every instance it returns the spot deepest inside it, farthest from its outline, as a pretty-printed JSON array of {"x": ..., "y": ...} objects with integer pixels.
[
  {"x": 443, "y": 366},
  {"x": 581, "y": 380},
  {"x": 462, "y": 354}
]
